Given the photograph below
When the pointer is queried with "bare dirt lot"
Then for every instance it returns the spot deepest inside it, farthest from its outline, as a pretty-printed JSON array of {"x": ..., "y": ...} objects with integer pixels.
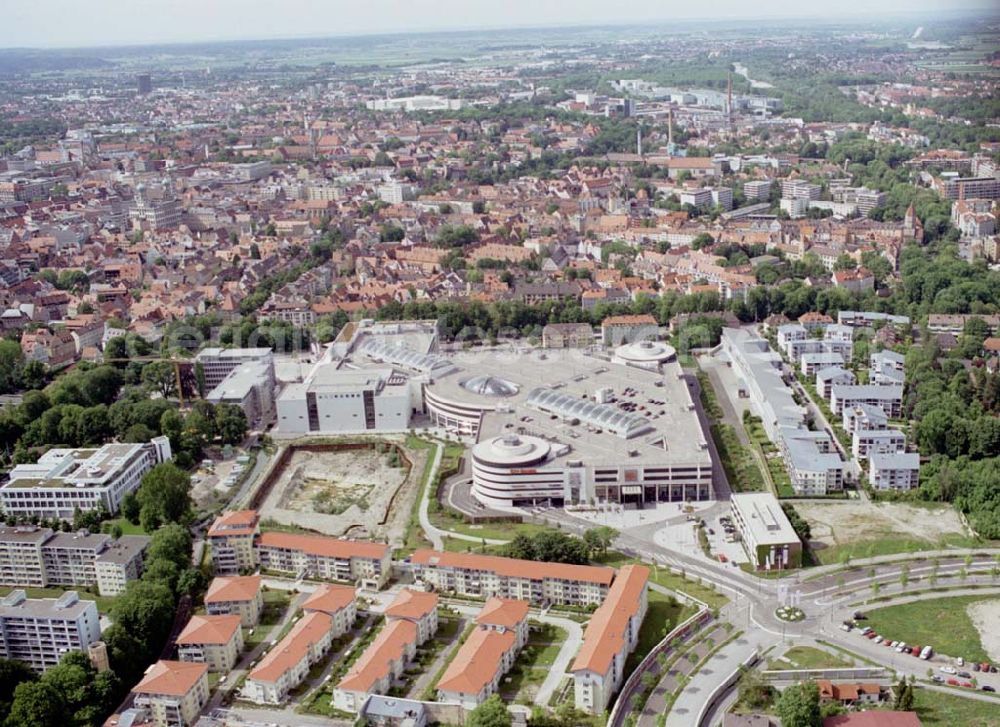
[
  {"x": 985, "y": 616},
  {"x": 839, "y": 524},
  {"x": 361, "y": 492}
]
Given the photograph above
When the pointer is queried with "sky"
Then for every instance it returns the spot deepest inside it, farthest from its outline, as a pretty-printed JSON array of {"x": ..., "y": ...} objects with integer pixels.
[{"x": 78, "y": 23}]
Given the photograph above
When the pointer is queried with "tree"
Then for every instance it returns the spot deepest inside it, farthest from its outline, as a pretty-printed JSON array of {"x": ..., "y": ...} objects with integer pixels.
[
  {"x": 130, "y": 508},
  {"x": 160, "y": 377},
  {"x": 230, "y": 423},
  {"x": 798, "y": 706},
  {"x": 599, "y": 539},
  {"x": 12, "y": 673},
  {"x": 491, "y": 713},
  {"x": 11, "y": 363},
  {"x": 754, "y": 692},
  {"x": 164, "y": 496},
  {"x": 36, "y": 704}
]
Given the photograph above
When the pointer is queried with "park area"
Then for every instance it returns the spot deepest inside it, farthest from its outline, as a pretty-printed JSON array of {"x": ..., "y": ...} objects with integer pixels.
[
  {"x": 959, "y": 626},
  {"x": 360, "y": 489},
  {"x": 854, "y": 529}
]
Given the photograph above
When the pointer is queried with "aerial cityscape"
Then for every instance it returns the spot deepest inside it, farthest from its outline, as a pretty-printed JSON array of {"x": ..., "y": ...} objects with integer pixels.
[{"x": 546, "y": 365}]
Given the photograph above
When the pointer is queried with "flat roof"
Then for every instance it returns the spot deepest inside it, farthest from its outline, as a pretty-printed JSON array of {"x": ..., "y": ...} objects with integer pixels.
[
  {"x": 763, "y": 515},
  {"x": 549, "y": 382}
]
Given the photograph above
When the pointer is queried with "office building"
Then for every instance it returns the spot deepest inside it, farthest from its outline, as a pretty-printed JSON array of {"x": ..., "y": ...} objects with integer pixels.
[
  {"x": 144, "y": 83},
  {"x": 64, "y": 480},
  {"x": 332, "y": 400},
  {"x": 174, "y": 692},
  {"x": 218, "y": 363},
  {"x": 768, "y": 537},
  {"x": 40, "y": 631},
  {"x": 611, "y": 635}
]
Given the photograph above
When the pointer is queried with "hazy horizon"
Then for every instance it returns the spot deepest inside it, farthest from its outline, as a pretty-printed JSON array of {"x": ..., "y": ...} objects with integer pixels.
[{"x": 57, "y": 24}]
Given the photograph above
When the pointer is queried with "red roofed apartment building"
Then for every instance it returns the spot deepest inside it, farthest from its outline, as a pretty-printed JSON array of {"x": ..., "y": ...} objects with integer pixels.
[
  {"x": 241, "y": 595},
  {"x": 411, "y": 619},
  {"x": 213, "y": 640},
  {"x": 610, "y": 637},
  {"x": 173, "y": 691},
  {"x": 330, "y": 559},
  {"x": 285, "y": 666},
  {"x": 487, "y": 654},
  {"x": 231, "y": 540},
  {"x": 484, "y": 576}
]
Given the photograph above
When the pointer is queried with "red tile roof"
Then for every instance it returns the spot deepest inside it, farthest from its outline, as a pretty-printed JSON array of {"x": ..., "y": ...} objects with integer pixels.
[
  {"x": 513, "y": 567},
  {"x": 308, "y": 631},
  {"x": 606, "y": 633},
  {"x": 323, "y": 547},
  {"x": 209, "y": 630},
  {"x": 374, "y": 663},
  {"x": 171, "y": 678},
  {"x": 330, "y": 598},
  {"x": 412, "y": 605},
  {"x": 234, "y": 589},
  {"x": 477, "y": 661}
]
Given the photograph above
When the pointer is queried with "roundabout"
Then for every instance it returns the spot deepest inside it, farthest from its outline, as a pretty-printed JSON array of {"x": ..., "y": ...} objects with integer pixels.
[{"x": 790, "y": 614}]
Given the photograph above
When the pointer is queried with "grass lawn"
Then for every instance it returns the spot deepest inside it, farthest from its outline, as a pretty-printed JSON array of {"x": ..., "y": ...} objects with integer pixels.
[
  {"x": 664, "y": 577},
  {"x": 275, "y": 604},
  {"x": 808, "y": 657},
  {"x": 104, "y": 603},
  {"x": 937, "y": 709},
  {"x": 737, "y": 460},
  {"x": 889, "y": 546},
  {"x": 490, "y": 531},
  {"x": 662, "y": 615},
  {"x": 942, "y": 622},
  {"x": 127, "y": 527}
]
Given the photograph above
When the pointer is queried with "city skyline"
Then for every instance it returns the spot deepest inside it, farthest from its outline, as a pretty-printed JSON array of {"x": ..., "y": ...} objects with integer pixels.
[{"x": 111, "y": 23}]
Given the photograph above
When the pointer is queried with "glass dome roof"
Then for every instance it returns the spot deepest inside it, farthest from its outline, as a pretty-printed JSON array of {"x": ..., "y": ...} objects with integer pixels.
[{"x": 490, "y": 386}]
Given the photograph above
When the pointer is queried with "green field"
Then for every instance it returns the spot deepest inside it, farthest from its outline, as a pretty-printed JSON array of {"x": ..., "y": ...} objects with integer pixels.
[
  {"x": 890, "y": 546},
  {"x": 662, "y": 616},
  {"x": 942, "y": 622},
  {"x": 664, "y": 577},
  {"x": 808, "y": 657},
  {"x": 937, "y": 709},
  {"x": 127, "y": 527}
]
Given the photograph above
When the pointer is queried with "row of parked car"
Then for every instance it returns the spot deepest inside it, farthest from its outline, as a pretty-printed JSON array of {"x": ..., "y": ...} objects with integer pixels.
[{"x": 925, "y": 653}]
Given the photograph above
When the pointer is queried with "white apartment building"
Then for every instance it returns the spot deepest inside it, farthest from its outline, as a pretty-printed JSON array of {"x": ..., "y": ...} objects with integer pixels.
[
  {"x": 231, "y": 539},
  {"x": 827, "y": 377},
  {"x": 40, "y": 631},
  {"x": 814, "y": 466},
  {"x": 241, "y": 595},
  {"x": 887, "y": 398},
  {"x": 66, "y": 479},
  {"x": 894, "y": 471},
  {"x": 38, "y": 557},
  {"x": 865, "y": 442}
]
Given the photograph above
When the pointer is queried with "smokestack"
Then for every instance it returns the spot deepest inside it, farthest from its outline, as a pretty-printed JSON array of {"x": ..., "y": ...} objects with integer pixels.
[
  {"x": 670, "y": 129},
  {"x": 638, "y": 140}
]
